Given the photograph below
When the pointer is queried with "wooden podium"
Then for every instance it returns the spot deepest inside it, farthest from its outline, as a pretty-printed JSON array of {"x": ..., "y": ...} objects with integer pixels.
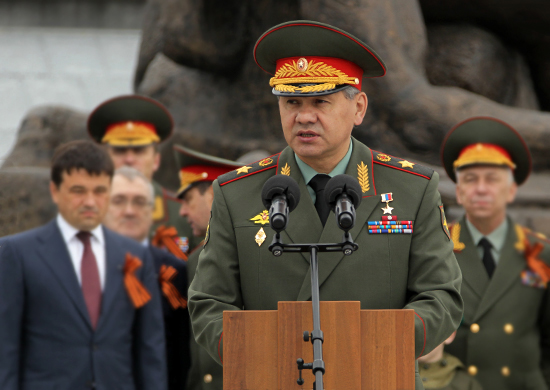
[{"x": 362, "y": 349}]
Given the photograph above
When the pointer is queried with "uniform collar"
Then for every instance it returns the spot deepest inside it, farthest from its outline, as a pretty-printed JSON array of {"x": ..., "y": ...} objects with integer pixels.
[
  {"x": 496, "y": 237},
  {"x": 308, "y": 172}
]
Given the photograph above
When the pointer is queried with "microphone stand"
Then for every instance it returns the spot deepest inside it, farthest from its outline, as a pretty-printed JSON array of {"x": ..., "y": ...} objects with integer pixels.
[{"x": 347, "y": 246}]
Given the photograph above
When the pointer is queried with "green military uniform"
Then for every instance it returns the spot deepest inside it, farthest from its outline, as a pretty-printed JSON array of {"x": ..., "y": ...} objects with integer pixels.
[
  {"x": 166, "y": 213},
  {"x": 505, "y": 337},
  {"x": 389, "y": 271},
  {"x": 205, "y": 373},
  {"x": 447, "y": 374}
]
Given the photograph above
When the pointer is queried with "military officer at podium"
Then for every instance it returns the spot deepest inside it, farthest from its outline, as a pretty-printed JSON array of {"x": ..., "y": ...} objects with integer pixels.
[
  {"x": 505, "y": 337},
  {"x": 132, "y": 127},
  {"x": 317, "y": 73}
]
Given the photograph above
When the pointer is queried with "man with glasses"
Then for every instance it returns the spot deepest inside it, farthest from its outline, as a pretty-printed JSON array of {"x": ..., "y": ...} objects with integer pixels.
[{"x": 130, "y": 214}]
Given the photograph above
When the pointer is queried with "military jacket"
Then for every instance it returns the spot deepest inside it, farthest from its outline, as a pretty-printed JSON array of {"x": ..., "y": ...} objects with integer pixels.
[
  {"x": 447, "y": 374},
  {"x": 416, "y": 271},
  {"x": 166, "y": 212},
  {"x": 205, "y": 372},
  {"x": 505, "y": 336}
]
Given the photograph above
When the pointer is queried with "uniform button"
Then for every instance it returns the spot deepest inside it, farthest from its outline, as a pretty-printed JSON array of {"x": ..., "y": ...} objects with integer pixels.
[
  {"x": 505, "y": 371},
  {"x": 207, "y": 378},
  {"x": 508, "y": 328},
  {"x": 474, "y": 328},
  {"x": 472, "y": 370}
]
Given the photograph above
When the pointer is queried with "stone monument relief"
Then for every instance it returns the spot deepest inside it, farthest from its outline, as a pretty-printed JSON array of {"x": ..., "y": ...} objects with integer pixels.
[{"x": 446, "y": 61}]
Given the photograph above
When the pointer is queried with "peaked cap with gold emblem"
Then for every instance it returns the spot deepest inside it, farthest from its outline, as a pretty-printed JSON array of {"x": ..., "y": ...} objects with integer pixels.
[
  {"x": 197, "y": 167},
  {"x": 130, "y": 120},
  {"x": 485, "y": 141},
  {"x": 309, "y": 58}
]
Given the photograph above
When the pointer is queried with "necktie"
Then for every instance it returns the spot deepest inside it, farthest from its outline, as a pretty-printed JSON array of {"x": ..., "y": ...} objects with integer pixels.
[
  {"x": 318, "y": 184},
  {"x": 91, "y": 286},
  {"x": 488, "y": 260}
]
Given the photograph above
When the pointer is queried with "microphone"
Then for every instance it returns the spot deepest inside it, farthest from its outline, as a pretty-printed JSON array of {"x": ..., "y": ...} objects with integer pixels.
[
  {"x": 280, "y": 194},
  {"x": 343, "y": 193}
]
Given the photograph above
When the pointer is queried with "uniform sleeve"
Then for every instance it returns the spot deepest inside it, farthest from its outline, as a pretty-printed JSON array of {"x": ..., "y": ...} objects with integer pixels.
[
  {"x": 11, "y": 314},
  {"x": 218, "y": 261},
  {"x": 149, "y": 340},
  {"x": 434, "y": 276}
]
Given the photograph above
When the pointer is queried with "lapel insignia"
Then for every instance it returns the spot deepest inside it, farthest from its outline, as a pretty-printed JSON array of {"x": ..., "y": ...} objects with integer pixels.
[
  {"x": 363, "y": 177},
  {"x": 383, "y": 157},
  {"x": 285, "y": 170},
  {"x": 265, "y": 162},
  {"x": 262, "y": 218},
  {"x": 444, "y": 222},
  {"x": 406, "y": 164},
  {"x": 207, "y": 235},
  {"x": 455, "y": 237},
  {"x": 158, "y": 210},
  {"x": 520, "y": 243},
  {"x": 387, "y": 198},
  {"x": 243, "y": 169},
  {"x": 260, "y": 237}
]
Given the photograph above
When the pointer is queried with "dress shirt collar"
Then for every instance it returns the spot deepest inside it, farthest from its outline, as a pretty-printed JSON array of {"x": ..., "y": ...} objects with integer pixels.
[
  {"x": 496, "y": 237},
  {"x": 308, "y": 172},
  {"x": 69, "y": 232}
]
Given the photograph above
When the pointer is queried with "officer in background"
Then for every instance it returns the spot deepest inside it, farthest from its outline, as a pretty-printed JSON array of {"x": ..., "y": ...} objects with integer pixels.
[
  {"x": 129, "y": 214},
  {"x": 505, "y": 337},
  {"x": 317, "y": 72},
  {"x": 197, "y": 172},
  {"x": 132, "y": 127}
]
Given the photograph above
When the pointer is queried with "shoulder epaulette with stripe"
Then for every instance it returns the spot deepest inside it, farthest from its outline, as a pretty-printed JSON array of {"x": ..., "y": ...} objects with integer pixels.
[
  {"x": 401, "y": 164},
  {"x": 249, "y": 170}
]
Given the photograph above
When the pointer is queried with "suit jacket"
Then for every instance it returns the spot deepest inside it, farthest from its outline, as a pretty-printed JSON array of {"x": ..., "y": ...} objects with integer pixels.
[
  {"x": 205, "y": 372},
  {"x": 389, "y": 271},
  {"x": 510, "y": 348},
  {"x": 176, "y": 322},
  {"x": 46, "y": 338}
]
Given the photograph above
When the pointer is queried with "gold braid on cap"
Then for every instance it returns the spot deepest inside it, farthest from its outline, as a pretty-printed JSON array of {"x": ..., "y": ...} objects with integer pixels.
[
  {"x": 325, "y": 76},
  {"x": 130, "y": 133}
]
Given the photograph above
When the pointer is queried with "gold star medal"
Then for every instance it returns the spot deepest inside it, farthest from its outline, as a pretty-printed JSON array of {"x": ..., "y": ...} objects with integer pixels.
[
  {"x": 387, "y": 198},
  {"x": 260, "y": 237},
  {"x": 244, "y": 169}
]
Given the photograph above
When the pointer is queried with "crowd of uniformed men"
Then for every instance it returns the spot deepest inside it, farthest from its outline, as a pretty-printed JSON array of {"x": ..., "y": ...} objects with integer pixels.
[{"x": 126, "y": 287}]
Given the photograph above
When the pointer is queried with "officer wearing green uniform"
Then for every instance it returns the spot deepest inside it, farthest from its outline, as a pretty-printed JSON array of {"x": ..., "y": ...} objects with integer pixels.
[
  {"x": 504, "y": 339},
  {"x": 318, "y": 70},
  {"x": 131, "y": 127},
  {"x": 197, "y": 172}
]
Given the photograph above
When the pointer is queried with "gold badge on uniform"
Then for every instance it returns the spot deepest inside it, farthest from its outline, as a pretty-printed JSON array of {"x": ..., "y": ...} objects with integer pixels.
[
  {"x": 406, "y": 164},
  {"x": 260, "y": 237},
  {"x": 207, "y": 235},
  {"x": 444, "y": 222},
  {"x": 265, "y": 162},
  {"x": 285, "y": 170},
  {"x": 363, "y": 177},
  {"x": 383, "y": 157},
  {"x": 261, "y": 218},
  {"x": 243, "y": 169}
]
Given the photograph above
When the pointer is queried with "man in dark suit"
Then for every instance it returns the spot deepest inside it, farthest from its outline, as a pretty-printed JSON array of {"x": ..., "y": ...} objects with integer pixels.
[
  {"x": 130, "y": 214},
  {"x": 80, "y": 306}
]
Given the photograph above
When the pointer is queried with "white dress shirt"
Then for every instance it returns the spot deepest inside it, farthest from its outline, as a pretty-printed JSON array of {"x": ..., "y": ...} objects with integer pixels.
[{"x": 76, "y": 248}]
